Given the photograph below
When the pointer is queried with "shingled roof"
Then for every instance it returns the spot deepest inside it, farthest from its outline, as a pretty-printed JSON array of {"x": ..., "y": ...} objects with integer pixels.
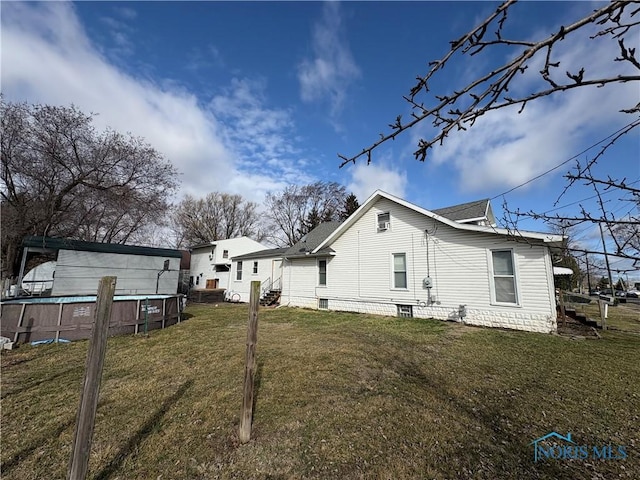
[
  {"x": 312, "y": 240},
  {"x": 477, "y": 210},
  {"x": 271, "y": 252}
]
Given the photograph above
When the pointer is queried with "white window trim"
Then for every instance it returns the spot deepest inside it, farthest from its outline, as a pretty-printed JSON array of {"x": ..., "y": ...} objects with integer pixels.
[
  {"x": 235, "y": 277},
  {"x": 255, "y": 268},
  {"x": 492, "y": 286},
  {"x": 326, "y": 273},
  {"x": 378, "y": 230},
  {"x": 392, "y": 282}
]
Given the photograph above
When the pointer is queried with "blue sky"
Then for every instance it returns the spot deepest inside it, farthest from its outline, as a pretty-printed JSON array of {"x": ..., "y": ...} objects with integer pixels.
[{"x": 248, "y": 97}]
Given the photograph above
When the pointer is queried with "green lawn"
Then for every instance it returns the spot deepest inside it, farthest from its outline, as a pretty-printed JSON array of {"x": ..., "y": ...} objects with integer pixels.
[{"x": 339, "y": 395}]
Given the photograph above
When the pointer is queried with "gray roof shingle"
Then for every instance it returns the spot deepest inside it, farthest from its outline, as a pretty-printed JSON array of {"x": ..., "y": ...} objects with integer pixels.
[
  {"x": 271, "y": 252},
  {"x": 464, "y": 211},
  {"x": 312, "y": 239}
]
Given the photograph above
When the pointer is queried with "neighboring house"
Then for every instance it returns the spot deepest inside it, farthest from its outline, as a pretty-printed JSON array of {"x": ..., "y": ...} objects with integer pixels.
[
  {"x": 80, "y": 265},
  {"x": 211, "y": 262},
  {"x": 391, "y": 257},
  {"x": 264, "y": 266}
]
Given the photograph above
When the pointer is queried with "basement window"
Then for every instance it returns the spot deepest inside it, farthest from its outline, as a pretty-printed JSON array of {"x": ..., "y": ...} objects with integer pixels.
[
  {"x": 405, "y": 311},
  {"x": 323, "y": 303}
]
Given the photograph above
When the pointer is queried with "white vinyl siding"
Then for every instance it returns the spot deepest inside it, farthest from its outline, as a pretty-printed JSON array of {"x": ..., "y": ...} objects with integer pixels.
[
  {"x": 269, "y": 275},
  {"x": 399, "y": 270}
]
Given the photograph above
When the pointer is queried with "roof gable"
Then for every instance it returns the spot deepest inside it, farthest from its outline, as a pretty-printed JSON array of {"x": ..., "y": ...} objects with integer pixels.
[{"x": 378, "y": 194}]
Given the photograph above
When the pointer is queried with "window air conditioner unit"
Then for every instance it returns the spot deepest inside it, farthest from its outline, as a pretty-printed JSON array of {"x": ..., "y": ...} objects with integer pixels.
[{"x": 384, "y": 226}]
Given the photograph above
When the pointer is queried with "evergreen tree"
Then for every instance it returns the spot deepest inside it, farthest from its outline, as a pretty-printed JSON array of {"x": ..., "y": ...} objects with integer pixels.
[{"x": 351, "y": 204}]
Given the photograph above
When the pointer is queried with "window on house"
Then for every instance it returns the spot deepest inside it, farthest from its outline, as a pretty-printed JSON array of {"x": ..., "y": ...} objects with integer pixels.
[
  {"x": 197, "y": 279},
  {"x": 384, "y": 221},
  {"x": 225, "y": 253},
  {"x": 239, "y": 271},
  {"x": 504, "y": 278},
  {"x": 405, "y": 311},
  {"x": 322, "y": 272},
  {"x": 323, "y": 303},
  {"x": 399, "y": 270},
  {"x": 255, "y": 268}
]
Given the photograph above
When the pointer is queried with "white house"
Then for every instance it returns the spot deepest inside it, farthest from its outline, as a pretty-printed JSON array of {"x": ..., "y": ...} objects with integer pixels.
[
  {"x": 211, "y": 262},
  {"x": 79, "y": 266},
  {"x": 391, "y": 257},
  {"x": 264, "y": 266}
]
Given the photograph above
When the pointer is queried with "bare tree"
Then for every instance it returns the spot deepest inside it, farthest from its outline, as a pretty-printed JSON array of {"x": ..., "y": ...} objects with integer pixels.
[
  {"x": 298, "y": 209},
  {"x": 460, "y": 109},
  {"x": 218, "y": 216},
  {"x": 61, "y": 177},
  {"x": 537, "y": 61}
]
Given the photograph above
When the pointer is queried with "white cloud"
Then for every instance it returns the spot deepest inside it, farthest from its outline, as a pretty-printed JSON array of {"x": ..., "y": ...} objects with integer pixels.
[
  {"x": 332, "y": 69},
  {"x": 48, "y": 58},
  {"x": 366, "y": 179},
  {"x": 504, "y": 148}
]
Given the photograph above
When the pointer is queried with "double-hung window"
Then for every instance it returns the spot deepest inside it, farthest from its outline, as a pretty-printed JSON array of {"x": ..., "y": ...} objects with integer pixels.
[
  {"x": 255, "y": 268},
  {"x": 399, "y": 270},
  {"x": 239, "y": 271},
  {"x": 504, "y": 277},
  {"x": 322, "y": 272}
]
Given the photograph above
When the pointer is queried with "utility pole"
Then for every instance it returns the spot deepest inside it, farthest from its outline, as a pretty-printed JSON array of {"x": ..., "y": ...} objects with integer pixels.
[
  {"x": 606, "y": 259},
  {"x": 586, "y": 256}
]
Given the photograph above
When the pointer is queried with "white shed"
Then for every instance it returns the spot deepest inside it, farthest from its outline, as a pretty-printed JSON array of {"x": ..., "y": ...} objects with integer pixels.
[{"x": 80, "y": 265}]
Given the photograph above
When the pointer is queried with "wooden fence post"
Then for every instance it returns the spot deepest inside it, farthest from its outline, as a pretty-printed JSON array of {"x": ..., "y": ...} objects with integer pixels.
[
  {"x": 250, "y": 364},
  {"x": 562, "y": 310},
  {"x": 79, "y": 464}
]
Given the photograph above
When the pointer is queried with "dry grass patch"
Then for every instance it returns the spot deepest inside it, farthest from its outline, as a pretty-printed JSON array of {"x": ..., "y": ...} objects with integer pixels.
[{"x": 339, "y": 395}]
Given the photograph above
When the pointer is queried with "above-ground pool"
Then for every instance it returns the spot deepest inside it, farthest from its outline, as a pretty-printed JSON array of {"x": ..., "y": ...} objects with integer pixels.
[{"x": 71, "y": 318}]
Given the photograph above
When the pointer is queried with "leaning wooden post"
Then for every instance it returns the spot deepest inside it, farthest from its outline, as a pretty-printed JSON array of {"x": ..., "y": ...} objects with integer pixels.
[
  {"x": 250, "y": 364},
  {"x": 562, "y": 310},
  {"x": 79, "y": 464}
]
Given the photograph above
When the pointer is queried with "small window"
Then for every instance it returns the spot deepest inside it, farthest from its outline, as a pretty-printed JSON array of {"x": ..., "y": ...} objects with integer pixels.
[
  {"x": 323, "y": 303},
  {"x": 399, "y": 270},
  {"x": 239, "y": 271},
  {"x": 504, "y": 278},
  {"x": 255, "y": 268},
  {"x": 225, "y": 253},
  {"x": 384, "y": 221},
  {"x": 197, "y": 279},
  {"x": 322, "y": 272},
  {"x": 405, "y": 311}
]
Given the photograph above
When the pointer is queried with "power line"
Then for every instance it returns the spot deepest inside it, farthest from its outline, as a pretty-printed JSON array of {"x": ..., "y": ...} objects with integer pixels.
[{"x": 565, "y": 162}]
